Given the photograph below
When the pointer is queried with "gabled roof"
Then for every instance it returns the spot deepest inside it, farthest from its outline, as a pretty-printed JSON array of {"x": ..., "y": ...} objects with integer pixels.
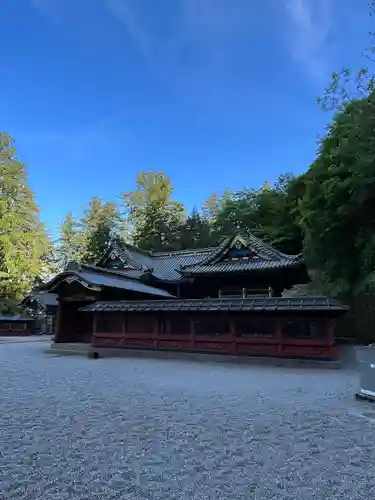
[
  {"x": 94, "y": 278},
  {"x": 262, "y": 256},
  {"x": 164, "y": 266},
  {"x": 173, "y": 266},
  {"x": 308, "y": 304}
]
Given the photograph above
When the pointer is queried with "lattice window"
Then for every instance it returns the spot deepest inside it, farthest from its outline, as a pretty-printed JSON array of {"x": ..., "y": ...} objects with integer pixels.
[
  {"x": 140, "y": 324},
  {"x": 179, "y": 326},
  {"x": 253, "y": 327},
  {"x": 109, "y": 323},
  {"x": 211, "y": 327},
  {"x": 302, "y": 328}
]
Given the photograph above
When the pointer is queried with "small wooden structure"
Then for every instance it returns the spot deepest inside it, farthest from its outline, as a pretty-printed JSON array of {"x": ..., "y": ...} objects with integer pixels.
[
  {"x": 223, "y": 299},
  {"x": 43, "y": 307},
  {"x": 12, "y": 326}
]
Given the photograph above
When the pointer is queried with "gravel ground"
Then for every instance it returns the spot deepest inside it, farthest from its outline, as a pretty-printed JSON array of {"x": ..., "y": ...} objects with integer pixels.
[{"x": 73, "y": 428}]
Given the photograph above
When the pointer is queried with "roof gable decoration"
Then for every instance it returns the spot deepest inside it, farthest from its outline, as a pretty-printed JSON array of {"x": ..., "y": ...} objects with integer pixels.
[
  {"x": 77, "y": 279},
  {"x": 120, "y": 258},
  {"x": 115, "y": 261},
  {"x": 239, "y": 247}
]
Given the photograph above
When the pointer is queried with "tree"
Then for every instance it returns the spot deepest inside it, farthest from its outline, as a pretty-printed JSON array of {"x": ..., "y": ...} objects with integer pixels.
[
  {"x": 152, "y": 214},
  {"x": 71, "y": 241},
  {"x": 271, "y": 213},
  {"x": 100, "y": 226},
  {"x": 24, "y": 243},
  {"x": 215, "y": 204},
  {"x": 195, "y": 232},
  {"x": 339, "y": 202},
  {"x": 349, "y": 84}
]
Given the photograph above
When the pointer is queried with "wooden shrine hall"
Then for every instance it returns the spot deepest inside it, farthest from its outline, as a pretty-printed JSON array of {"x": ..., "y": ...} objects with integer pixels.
[{"x": 225, "y": 299}]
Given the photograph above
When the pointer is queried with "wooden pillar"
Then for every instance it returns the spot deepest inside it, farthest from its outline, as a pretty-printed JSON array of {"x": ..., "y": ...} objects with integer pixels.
[
  {"x": 59, "y": 323},
  {"x": 330, "y": 326},
  {"x": 331, "y": 323},
  {"x": 192, "y": 332},
  {"x": 156, "y": 332},
  {"x": 123, "y": 328},
  {"x": 278, "y": 335},
  {"x": 232, "y": 328}
]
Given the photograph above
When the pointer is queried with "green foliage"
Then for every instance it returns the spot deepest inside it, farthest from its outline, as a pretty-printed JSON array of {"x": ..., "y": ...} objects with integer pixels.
[
  {"x": 24, "y": 244},
  {"x": 350, "y": 84},
  {"x": 71, "y": 241},
  {"x": 215, "y": 204},
  {"x": 339, "y": 202},
  {"x": 152, "y": 214},
  {"x": 87, "y": 239},
  {"x": 195, "y": 232},
  {"x": 270, "y": 212},
  {"x": 100, "y": 226}
]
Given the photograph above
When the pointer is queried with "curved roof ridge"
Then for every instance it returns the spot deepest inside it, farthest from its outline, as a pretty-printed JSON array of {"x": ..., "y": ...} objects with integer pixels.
[
  {"x": 187, "y": 251},
  {"x": 216, "y": 254},
  {"x": 269, "y": 247}
]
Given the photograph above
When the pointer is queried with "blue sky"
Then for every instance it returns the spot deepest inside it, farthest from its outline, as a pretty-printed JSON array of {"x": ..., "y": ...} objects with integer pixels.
[{"x": 216, "y": 93}]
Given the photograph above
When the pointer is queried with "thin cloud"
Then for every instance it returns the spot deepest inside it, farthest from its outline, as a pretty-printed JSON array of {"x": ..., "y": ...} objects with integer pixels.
[
  {"x": 311, "y": 23},
  {"x": 126, "y": 14},
  {"x": 50, "y": 9},
  {"x": 81, "y": 142},
  {"x": 191, "y": 44}
]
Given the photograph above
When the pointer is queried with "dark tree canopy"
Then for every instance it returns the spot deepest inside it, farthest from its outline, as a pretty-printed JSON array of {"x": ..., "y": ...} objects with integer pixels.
[{"x": 339, "y": 202}]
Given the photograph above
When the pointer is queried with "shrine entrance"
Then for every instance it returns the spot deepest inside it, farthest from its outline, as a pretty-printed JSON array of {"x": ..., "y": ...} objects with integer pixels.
[{"x": 73, "y": 326}]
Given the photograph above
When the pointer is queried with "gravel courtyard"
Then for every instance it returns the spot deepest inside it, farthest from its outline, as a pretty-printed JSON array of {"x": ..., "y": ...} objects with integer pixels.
[{"x": 73, "y": 428}]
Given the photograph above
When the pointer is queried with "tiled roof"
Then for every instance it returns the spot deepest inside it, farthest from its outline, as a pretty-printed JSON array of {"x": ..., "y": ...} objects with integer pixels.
[
  {"x": 172, "y": 266},
  {"x": 238, "y": 266},
  {"x": 262, "y": 249},
  {"x": 164, "y": 266},
  {"x": 92, "y": 276},
  {"x": 249, "y": 304}
]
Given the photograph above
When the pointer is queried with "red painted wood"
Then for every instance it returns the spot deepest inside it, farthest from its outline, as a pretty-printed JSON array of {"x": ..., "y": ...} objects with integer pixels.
[
  {"x": 99, "y": 341},
  {"x": 192, "y": 332},
  {"x": 308, "y": 342},
  {"x": 257, "y": 349},
  {"x": 306, "y": 351},
  {"x": 115, "y": 335},
  {"x": 132, "y": 342},
  {"x": 331, "y": 331},
  {"x": 132, "y": 335},
  {"x": 212, "y": 346},
  {"x": 225, "y": 339},
  {"x": 174, "y": 344},
  {"x": 252, "y": 345},
  {"x": 256, "y": 340},
  {"x": 232, "y": 327},
  {"x": 156, "y": 331},
  {"x": 279, "y": 336}
]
